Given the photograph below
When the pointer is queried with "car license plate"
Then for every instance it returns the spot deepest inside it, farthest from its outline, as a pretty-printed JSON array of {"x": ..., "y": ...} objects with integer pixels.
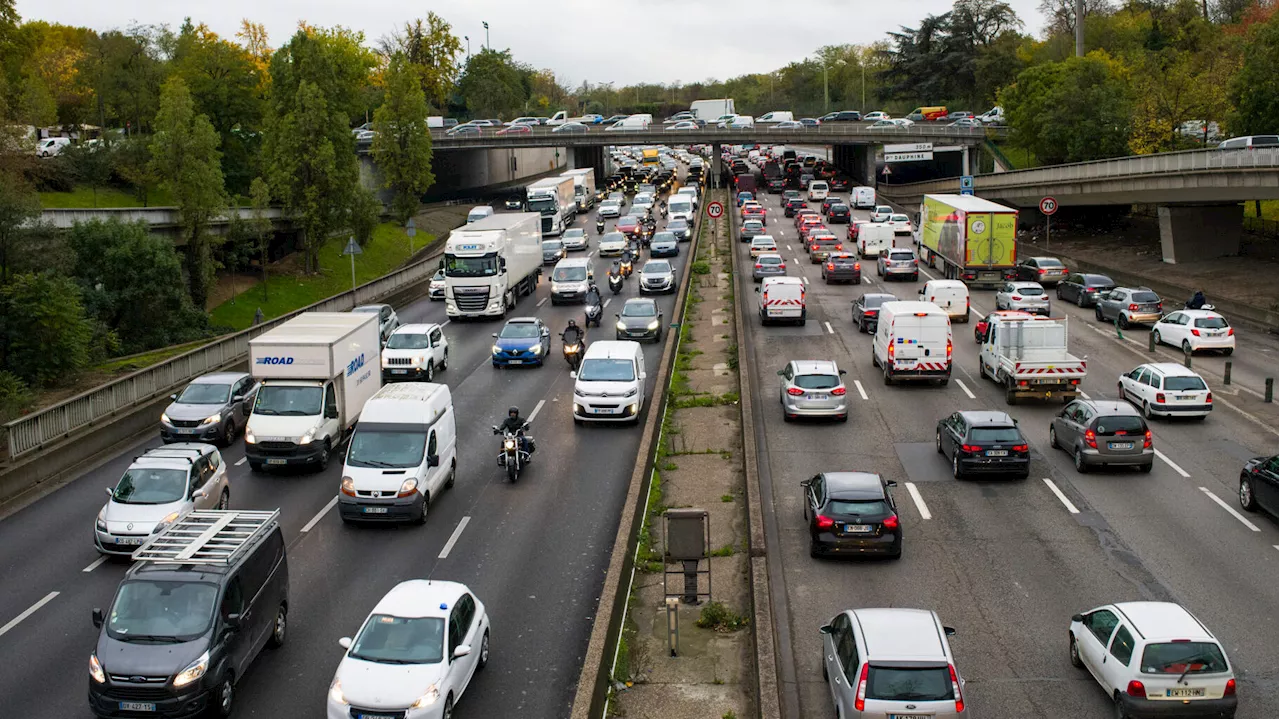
[
  {"x": 1198, "y": 692},
  {"x": 277, "y": 460},
  {"x": 399, "y": 371},
  {"x": 515, "y": 361},
  {"x": 904, "y": 364},
  {"x": 997, "y": 453},
  {"x": 130, "y": 541},
  {"x": 137, "y": 707},
  {"x": 857, "y": 528},
  {"x": 1186, "y": 396},
  {"x": 376, "y": 716},
  {"x": 1120, "y": 445},
  {"x": 910, "y": 716},
  {"x": 601, "y": 410},
  {"x": 375, "y": 510}
]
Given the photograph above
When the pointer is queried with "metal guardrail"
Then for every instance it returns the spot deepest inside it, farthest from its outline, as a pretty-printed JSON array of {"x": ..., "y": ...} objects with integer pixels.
[
  {"x": 66, "y": 218},
  {"x": 31, "y": 432}
]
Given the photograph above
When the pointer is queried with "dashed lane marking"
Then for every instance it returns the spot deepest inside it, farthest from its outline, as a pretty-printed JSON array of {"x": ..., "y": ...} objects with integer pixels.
[
  {"x": 829, "y": 330},
  {"x": 453, "y": 538},
  {"x": 320, "y": 515},
  {"x": 861, "y": 392},
  {"x": 541, "y": 302},
  {"x": 920, "y": 505},
  {"x": 1230, "y": 510},
  {"x": 241, "y": 461},
  {"x": 1061, "y": 497},
  {"x": 965, "y": 388},
  {"x": 1171, "y": 463},
  {"x": 96, "y": 563},
  {"x": 534, "y": 413},
  {"x": 30, "y": 610}
]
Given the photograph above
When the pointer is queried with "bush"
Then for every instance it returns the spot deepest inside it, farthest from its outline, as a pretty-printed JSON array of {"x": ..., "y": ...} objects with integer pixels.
[
  {"x": 717, "y": 617},
  {"x": 15, "y": 396},
  {"x": 701, "y": 267},
  {"x": 43, "y": 328}
]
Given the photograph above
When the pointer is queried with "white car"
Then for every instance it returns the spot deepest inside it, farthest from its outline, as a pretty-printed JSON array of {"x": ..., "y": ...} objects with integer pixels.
[
  {"x": 612, "y": 243},
  {"x": 1154, "y": 659},
  {"x": 901, "y": 224},
  {"x": 760, "y": 244},
  {"x": 1166, "y": 389},
  {"x": 575, "y": 238},
  {"x": 902, "y": 122},
  {"x": 415, "y": 655},
  {"x": 436, "y": 288},
  {"x": 1025, "y": 296},
  {"x": 160, "y": 486},
  {"x": 608, "y": 208},
  {"x": 874, "y": 116},
  {"x": 882, "y": 213},
  {"x": 657, "y": 276},
  {"x": 415, "y": 352},
  {"x": 1194, "y": 330}
]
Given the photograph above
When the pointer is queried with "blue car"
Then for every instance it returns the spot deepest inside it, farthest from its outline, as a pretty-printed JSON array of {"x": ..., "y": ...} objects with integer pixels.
[
  {"x": 664, "y": 244},
  {"x": 522, "y": 341}
]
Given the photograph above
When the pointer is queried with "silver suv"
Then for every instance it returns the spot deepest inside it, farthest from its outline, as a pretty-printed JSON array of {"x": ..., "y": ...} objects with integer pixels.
[
  {"x": 897, "y": 263},
  {"x": 812, "y": 388},
  {"x": 212, "y": 408},
  {"x": 891, "y": 662},
  {"x": 1129, "y": 305}
]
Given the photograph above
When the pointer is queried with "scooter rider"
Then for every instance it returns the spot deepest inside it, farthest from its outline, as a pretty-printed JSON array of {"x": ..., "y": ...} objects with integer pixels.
[
  {"x": 572, "y": 334},
  {"x": 593, "y": 295},
  {"x": 514, "y": 424},
  {"x": 1197, "y": 301}
]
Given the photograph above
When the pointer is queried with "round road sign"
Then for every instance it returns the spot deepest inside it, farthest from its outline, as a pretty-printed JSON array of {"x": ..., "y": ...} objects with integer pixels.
[
  {"x": 714, "y": 210},
  {"x": 1048, "y": 206}
]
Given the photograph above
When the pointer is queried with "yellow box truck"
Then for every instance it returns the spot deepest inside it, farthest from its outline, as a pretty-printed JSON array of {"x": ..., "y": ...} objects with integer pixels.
[{"x": 969, "y": 239}]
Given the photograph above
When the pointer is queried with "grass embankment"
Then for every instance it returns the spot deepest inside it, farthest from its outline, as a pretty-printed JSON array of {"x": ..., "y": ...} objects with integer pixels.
[
  {"x": 82, "y": 198},
  {"x": 1266, "y": 222},
  {"x": 285, "y": 293}
]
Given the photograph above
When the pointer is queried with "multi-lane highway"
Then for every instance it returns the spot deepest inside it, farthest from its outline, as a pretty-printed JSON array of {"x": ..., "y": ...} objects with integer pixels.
[
  {"x": 534, "y": 552},
  {"x": 1007, "y": 562}
]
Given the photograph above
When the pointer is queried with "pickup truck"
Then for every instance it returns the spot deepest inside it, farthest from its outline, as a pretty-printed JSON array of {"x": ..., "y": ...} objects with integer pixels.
[{"x": 1029, "y": 358}]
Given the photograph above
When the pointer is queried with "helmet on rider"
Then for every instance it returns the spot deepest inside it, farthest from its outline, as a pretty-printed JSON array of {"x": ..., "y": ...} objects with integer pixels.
[{"x": 513, "y": 411}]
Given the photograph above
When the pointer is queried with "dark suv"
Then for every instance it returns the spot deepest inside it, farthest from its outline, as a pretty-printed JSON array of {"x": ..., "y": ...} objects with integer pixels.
[
  {"x": 852, "y": 513},
  {"x": 983, "y": 442},
  {"x": 207, "y": 594},
  {"x": 1097, "y": 433}
]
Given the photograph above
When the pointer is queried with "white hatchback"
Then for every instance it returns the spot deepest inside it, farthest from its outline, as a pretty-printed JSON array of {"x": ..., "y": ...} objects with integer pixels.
[
  {"x": 415, "y": 655},
  {"x": 1193, "y": 330},
  {"x": 761, "y": 244},
  {"x": 1166, "y": 389},
  {"x": 882, "y": 213}
]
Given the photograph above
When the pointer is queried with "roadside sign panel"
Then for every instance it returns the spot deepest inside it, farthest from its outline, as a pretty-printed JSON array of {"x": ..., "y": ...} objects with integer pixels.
[
  {"x": 966, "y": 182},
  {"x": 714, "y": 210},
  {"x": 909, "y": 147},
  {"x": 907, "y": 156},
  {"x": 1048, "y": 206}
]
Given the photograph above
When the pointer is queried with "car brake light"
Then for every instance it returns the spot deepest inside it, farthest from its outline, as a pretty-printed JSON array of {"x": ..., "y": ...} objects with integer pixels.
[
  {"x": 758, "y": 265},
  {"x": 1133, "y": 308},
  {"x": 1195, "y": 333},
  {"x": 857, "y": 266},
  {"x": 795, "y": 391},
  {"x": 1159, "y": 397},
  {"x": 831, "y": 265},
  {"x": 1015, "y": 297},
  {"x": 891, "y": 352},
  {"x": 838, "y": 391},
  {"x": 1230, "y": 690},
  {"x": 970, "y": 448},
  {"x": 1091, "y": 439},
  {"x": 869, "y": 313},
  {"x": 1041, "y": 270},
  {"x": 860, "y": 698},
  {"x": 825, "y": 522},
  {"x": 891, "y": 522},
  {"x": 1146, "y": 440},
  {"x": 955, "y": 688},
  {"x": 1208, "y": 398},
  {"x": 1135, "y": 689},
  {"x": 1020, "y": 447},
  {"x": 948, "y": 349},
  {"x": 1231, "y": 331}
]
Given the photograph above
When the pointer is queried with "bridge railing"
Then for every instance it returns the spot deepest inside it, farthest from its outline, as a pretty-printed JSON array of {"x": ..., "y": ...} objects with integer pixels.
[
  {"x": 828, "y": 130},
  {"x": 66, "y": 218}
]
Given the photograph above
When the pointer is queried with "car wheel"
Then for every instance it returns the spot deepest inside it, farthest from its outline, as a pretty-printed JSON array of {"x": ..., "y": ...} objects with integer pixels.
[
  {"x": 324, "y": 457},
  {"x": 1059, "y": 291},
  {"x": 1123, "y": 321},
  {"x": 937, "y": 441},
  {"x": 1074, "y": 653},
  {"x": 224, "y": 500},
  {"x": 431, "y": 371},
  {"x": 279, "y": 629},
  {"x": 1186, "y": 347},
  {"x": 815, "y": 549},
  {"x": 1097, "y": 314},
  {"x": 1146, "y": 410},
  {"x": 1247, "y": 502},
  {"x": 955, "y": 467},
  {"x": 1146, "y": 468},
  {"x": 422, "y": 515},
  {"x": 1053, "y": 437},
  {"x": 229, "y": 433},
  {"x": 1078, "y": 457},
  {"x": 226, "y": 696},
  {"x": 453, "y": 475},
  {"x": 444, "y": 360},
  {"x": 1155, "y": 336},
  {"x": 484, "y": 651},
  {"x": 448, "y": 708},
  {"x": 1080, "y": 300},
  {"x": 1119, "y": 711}
]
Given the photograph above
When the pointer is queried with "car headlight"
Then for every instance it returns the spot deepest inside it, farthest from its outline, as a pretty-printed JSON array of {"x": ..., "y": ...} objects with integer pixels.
[
  {"x": 335, "y": 693},
  {"x": 653, "y": 325},
  {"x": 95, "y": 670},
  {"x": 632, "y": 392},
  {"x": 496, "y": 349},
  {"x": 101, "y": 523},
  {"x": 306, "y": 438},
  {"x": 194, "y": 671},
  {"x": 168, "y": 519},
  {"x": 211, "y": 419},
  {"x": 537, "y": 349},
  {"x": 165, "y": 418},
  {"x": 621, "y": 325},
  {"x": 249, "y": 438},
  {"x": 432, "y": 694},
  {"x": 409, "y": 486}
]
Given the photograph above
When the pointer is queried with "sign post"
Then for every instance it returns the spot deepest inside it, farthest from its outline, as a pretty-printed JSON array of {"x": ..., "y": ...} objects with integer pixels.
[
  {"x": 351, "y": 250},
  {"x": 410, "y": 229},
  {"x": 1048, "y": 206},
  {"x": 715, "y": 210}
]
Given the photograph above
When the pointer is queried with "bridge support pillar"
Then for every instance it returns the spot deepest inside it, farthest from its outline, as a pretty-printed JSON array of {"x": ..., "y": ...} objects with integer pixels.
[
  {"x": 582, "y": 157},
  {"x": 864, "y": 164},
  {"x": 1200, "y": 232},
  {"x": 964, "y": 161},
  {"x": 717, "y": 166}
]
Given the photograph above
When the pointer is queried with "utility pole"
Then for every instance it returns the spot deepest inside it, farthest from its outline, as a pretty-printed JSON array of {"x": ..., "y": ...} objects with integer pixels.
[
  {"x": 826, "y": 94},
  {"x": 486, "y": 36},
  {"x": 468, "y": 39},
  {"x": 1079, "y": 28},
  {"x": 864, "y": 86}
]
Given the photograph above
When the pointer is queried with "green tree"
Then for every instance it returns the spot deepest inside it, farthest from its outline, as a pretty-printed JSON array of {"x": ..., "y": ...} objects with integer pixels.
[
  {"x": 402, "y": 145},
  {"x": 19, "y": 205},
  {"x": 260, "y": 224},
  {"x": 133, "y": 165},
  {"x": 492, "y": 85},
  {"x": 185, "y": 158},
  {"x": 44, "y": 335},
  {"x": 363, "y": 215},
  {"x": 93, "y": 163},
  {"x": 1071, "y": 111},
  {"x": 432, "y": 50},
  {"x": 1252, "y": 90}
]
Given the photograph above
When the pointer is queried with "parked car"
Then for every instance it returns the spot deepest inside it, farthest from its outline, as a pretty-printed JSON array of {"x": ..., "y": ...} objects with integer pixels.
[
  {"x": 852, "y": 513},
  {"x": 769, "y": 264},
  {"x": 210, "y": 409},
  {"x": 1098, "y": 433},
  {"x": 1195, "y": 330},
  {"x": 1084, "y": 289},
  {"x": 812, "y": 388},
  {"x": 1166, "y": 389},
  {"x": 155, "y": 490},
  {"x": 866, "y": 310},
  {"x": 1127, "y": 306},
  {"x": 1258, "y": 485},
  {"x": 983, "y": 442},
  {"x": 52, "y": 146},
  {"x": 1048, "y": 271},
  {"x": 1025, "y": 296}
]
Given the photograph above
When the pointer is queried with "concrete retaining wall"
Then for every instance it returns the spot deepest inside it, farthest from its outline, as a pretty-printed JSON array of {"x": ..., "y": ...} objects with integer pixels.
[{"x": 469, "y": 173}]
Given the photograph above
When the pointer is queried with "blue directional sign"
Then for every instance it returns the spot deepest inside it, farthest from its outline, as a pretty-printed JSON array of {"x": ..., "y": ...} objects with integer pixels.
[
  {"x": 966, "y": 182},
  {"x": 966, "y": 190}
]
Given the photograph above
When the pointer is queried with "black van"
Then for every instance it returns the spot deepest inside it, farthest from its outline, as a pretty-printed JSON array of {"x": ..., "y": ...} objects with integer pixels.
[{"x": 207, "y": 593}]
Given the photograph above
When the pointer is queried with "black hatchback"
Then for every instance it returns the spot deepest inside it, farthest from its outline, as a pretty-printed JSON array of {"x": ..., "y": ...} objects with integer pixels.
[
  {"x": 1084, "y": 289},
  {"x": 852, "y": 513},
  {"x": 866, "y": 310},
  {"x": 839, "y": 214},
  {"x": 792, "y": 205},
  {"x": 983, "y": 443}
]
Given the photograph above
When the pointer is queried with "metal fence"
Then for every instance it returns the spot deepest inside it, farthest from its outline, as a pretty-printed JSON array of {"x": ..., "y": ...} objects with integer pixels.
[{"x": 31, "y": 432}]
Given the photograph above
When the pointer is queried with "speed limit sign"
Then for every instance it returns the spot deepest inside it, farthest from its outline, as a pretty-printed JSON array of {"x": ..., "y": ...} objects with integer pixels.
[
  {"x": 1048, "y": 206},
  {"x": 714, "y": 210}
]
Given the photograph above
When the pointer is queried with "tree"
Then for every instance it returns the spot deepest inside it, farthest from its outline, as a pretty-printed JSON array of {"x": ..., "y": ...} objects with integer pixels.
[
  {"x": 260, "y": 224},
  {"x": 44, "y": 335},
  {"x": 363, "y": 215},
  {"x": 19, "y": 205},
  {"x": 185, "y": 158},
  {"x": 92, "y": 162},
  {"x": 1060, "y": 15},
  {"x": 1070, "y": 111},
  {"x": 133, "y": 165},
  {"x": 1172, "y": 87},
  {"x": 1252, "y": 91},
  {"x": 492, "y": 85},
  {"x": 432, "y": 50},
  {"x": 402, "y": 145}
]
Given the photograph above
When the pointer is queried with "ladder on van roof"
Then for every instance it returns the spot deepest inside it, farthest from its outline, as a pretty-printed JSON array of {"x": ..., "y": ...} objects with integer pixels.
[{"x": 208, "y": 537}]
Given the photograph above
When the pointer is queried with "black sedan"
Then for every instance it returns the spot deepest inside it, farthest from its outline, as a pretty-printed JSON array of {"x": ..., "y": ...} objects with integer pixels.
[
  {"x": 1084, "y": 289},
  {"x": 839, "y": 214},
  {"x": 514, "y": 202},
  {"x": 1258, "y": 485},
  {"x": 793, "y": 205},
  {"x": 851, "y": 513},
  {"x": 842, "y": 267},
  {"x": 840, "y": 183},
  {"x": 680, "y": 228},
  {"x": 866, "y": 310},
  {"x": 983, "y": 442},
  {"x": 639, "y": 320}
]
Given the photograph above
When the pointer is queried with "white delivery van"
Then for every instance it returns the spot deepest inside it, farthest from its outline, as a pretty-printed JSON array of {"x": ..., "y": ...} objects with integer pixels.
[
  {"x": 912, "y": 341},
  {"x": 781, "y": 299},
  {"x": 315, "y": 371},
  {"x": 863, "y": 197},
  {"x": 692, "y": 192},
  {"x": 478, "y": 213},
  {"x": 570, "y": 280},
  {"x": 777, "y": 116},
  {"x": 950, "y": 295},
  {"x": 874, "y": 237},
  {"x": 609, "y": 385},
  {"x": 737, "y": 122},
  {"x": 680, "y": 206},
  {"x": 403, "y": 455},
  {"x": 435, "y": 122},
  {"x": 818, "y": 190}
]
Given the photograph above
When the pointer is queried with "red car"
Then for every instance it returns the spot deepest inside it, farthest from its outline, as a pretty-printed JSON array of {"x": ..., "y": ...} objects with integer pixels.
[
  {"x": 980, "y": 328},
  {"x": 628, "y": 225},
  {"x": 804, "y": 216},
  {"x": 515, "y": 130}
]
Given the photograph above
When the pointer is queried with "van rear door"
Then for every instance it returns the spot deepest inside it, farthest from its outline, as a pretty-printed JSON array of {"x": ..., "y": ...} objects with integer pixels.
[{"x": 918, "y": 337}]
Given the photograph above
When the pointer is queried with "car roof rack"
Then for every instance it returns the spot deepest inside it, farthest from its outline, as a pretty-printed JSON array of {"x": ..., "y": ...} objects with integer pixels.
[
  {"x": 208, "y": 537},
  {"x": 186, "y": 453}
]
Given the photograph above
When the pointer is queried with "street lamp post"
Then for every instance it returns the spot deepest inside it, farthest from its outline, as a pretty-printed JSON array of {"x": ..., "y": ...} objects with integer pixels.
[
  {"x": 826, "y": 94},
  {"x": 486, "y": 36},
  {"x": 864, "y": 86},
  {"x": 468, "y": 39}
]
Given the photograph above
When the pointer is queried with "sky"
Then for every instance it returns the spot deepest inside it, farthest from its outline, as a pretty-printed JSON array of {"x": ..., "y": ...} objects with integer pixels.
[{"x": 600, "y": 41}]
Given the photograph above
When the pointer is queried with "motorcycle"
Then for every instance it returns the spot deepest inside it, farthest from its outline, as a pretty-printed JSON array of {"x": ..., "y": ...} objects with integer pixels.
[
  {"x": 615, "y": 282},
  {"x": 573, "y": 354},
  {"x": 663, "y": 207},
  {"x": 600, "y": 226},
  {"x": 593, "y": 314},
  {"x": 626, "y": 268},
  {"x": 513, "y": 456}
]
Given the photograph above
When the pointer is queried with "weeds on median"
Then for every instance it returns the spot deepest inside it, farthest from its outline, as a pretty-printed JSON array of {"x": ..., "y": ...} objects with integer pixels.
[
  {"x": 719, "y": 618},
  {"x": 701, "y": 267}
]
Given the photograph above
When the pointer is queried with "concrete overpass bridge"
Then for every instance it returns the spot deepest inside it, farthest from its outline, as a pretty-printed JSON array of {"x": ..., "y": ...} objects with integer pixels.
[
  {"x": 1197, "y": 192},
  {"x": 162, "y": 220}
]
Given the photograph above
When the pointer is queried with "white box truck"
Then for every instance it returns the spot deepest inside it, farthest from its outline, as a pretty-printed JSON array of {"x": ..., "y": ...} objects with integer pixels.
[
  {"x": 490, "y": 264},
  {"x": 711, "y": 110},
  {"x": 552, "y": 197},
  {"x": 584, "y": 187},
  {"x": 315, "y": 371}
]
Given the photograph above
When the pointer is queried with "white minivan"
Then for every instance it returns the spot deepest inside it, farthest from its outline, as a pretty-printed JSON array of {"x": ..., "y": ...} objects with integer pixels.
[
  {"x": 874, "y": 237},
  {"x": 863, "y": 197},
  {"x": 570, "y": 280},
  {"x": 951, "y": 295},
  {"x": 912, "y": 341},
  {"x": 818, "y": 190},
  {"x": 680, "y": 206},
  {"x": 402, "y": 456},
  {"x": 478, "y": 213},
  {"x": 781, "y": 298},
  {"x": 609, "y": 385},
  {"x": 777, "y": 116}
]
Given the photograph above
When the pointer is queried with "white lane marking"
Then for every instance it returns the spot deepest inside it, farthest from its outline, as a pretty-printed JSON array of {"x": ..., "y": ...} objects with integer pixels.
[
  {"x": 789, "y": 248},
  {"x": 806, "y": 280},
  {"x": 96, "y": 563},
  {"x": 926, "y": 274},
  {"x": 975, "y": 312},
  {"x": 861, "y": 392},
  {"x": 606, "y": 303},
  {"x": 963, "y": 387},
  {"x": 1083, "y": 394},
  {"x": 320, "y": 515},
  {"x": 453, "y": 538},
  {"x": 829, "y": 330},
  {"x": 1230, "y": 510},
  {"x": 445, "y": 324},
  {"x": 242, "y": 461},
  {"x": 541, "y": 302},
  {"x": 534, "y": 413},
  {"x": 1061, "y": 497},
  {"x": 797, "y": 259},
  {"x": 920, "y": 505},
  {"x": 1170, "y": 462},
  {"x": 30, "y": 610},
  {"x": 866, "y": 280}
]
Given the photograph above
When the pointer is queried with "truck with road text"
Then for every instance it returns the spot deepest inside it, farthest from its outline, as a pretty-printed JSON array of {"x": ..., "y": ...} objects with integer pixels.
[
  {"x": 969, "y": 239},
  {"x": 1028, "y": 356},
  {"x": 584, "y": 187},
  {"x": 552, "y": 197},
  {"x": 711, "y": 110},
  {"x": 490, "y": 264}
]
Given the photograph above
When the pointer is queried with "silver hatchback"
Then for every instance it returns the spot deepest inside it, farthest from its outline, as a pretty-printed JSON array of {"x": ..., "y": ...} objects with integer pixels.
[
  {"x": 1102, "y": 432},
  {"x": 1025, "y": 296},
  {"x": 769, "y": 264},
  {"x": 812, "y": 388}
]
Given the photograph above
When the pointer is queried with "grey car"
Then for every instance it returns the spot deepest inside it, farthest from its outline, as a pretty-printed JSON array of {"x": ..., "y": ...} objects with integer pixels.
[
  {"x": 812, "y": 388},
  {"x": 1084, "y": 289},
  {"x": 1025, "y": 296},
  {"x": 1102, "y": 432},
  {"x": 212, "y": 408},
  {"x": 750, "y": 229},
  {"x": 639, "y": 319},
  {"x": 553, "y": 251},
  {"x": 769, "y": 264},
  {"x": 387, "y": 319},
  {"x": 897, "y": 263},
  {"x": 1129, "y": 305},
  {"x": 680, "y": 228},
  {"x": 575, "y": 238},
  {"x": 1048, "y": 271},
  {"x": 657, "y": 276}
]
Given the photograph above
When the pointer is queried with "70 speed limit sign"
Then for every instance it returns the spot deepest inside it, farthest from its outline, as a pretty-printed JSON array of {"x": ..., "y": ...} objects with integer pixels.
[
  {"x": 1048, "y": 206},
  {"x": 714, "y": 210}
]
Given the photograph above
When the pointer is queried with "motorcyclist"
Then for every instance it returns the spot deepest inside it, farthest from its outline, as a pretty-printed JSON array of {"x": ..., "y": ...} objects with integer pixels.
[
  {"x": 593, "y": 295},
  {"x": 1197, "y": 301},
  {"x": 573, "y": 333},
  {"x": 626, "y": 256},
  {"x": 514, "y": 424}
]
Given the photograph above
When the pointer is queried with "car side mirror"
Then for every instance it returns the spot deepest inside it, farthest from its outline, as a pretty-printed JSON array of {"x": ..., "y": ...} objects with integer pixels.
[
  {"x": 461, "y": 651},
  {"x": 573, "y": 374},
  {"x": 345, "y": 642},
  {"x": 1077, "y": 617},
  {"x": 174, "y": 397},
  {"x": 111, "y": 492},
  {"x": 433, "y": 460},
  {"x": 949, "y": 631},
  {"x": 495, "y": 335},
  {"x": 824, "y": 629},
  {"x": 232, "y": 621},
  {"x": 890, "y": 483},
  {"x": 781, "y": 372},
  {"x": 757, "y": 290},
  {"x": 844, "y": 371},
  {"x": 199, "y": 494},
  {"x": 331, "y": 413},
  {"x": 97, "y": 617},
  {"x": 238, "y": 398}
]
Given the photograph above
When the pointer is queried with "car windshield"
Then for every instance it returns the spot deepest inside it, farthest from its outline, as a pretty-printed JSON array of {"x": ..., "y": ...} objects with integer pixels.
[
  {"x": 1029, "y": 291},
  {"x": 663, "y": 237},
  {"x": 753, "y": 225},
  {"x": 484, "y": 266},
  {"x": 569, "y": 274},
  {"x": 151, "y": 485},
  {"x": 383, "y": 448},
  {"x": 1123, "y": 424},
  {"x": 656, "y": 268},
  {"x": 408, "y": 341},
  {"x": 839, "y": 208},
  {"x": 219, "y": 393},
  {"x": 607, "y": 370},
  {"x": 1184, "y": 383},
  {"x": 762, "y": 242},
  {"x": 1145, "y": 297},
  {"x": 288, "y": 400},
  {"x": 994, "y": 434},
  {"x": 678, "y": 224},
  {"x": 1212, "y": 323},
  {"x": 639, "y": 309},
  {"x": 574, "y": 233},
  {"x": 921, "y": 684},
  {"x": 400, "y": 640},
  {"x": 859, "y": 506},
  {"x": 520, "y": 330},
  {"x": 1179, "y": 657},
  {"x": 816, "y": 381},
  {"x": 608, "y": 207},
  {"x": 552, "y": 245},
  {"x": 899, "y": 218},
  {"x": 149, "y": 611},
  {"x": 769, "y": 260},
  {"x": 1047, "y": 262}
]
